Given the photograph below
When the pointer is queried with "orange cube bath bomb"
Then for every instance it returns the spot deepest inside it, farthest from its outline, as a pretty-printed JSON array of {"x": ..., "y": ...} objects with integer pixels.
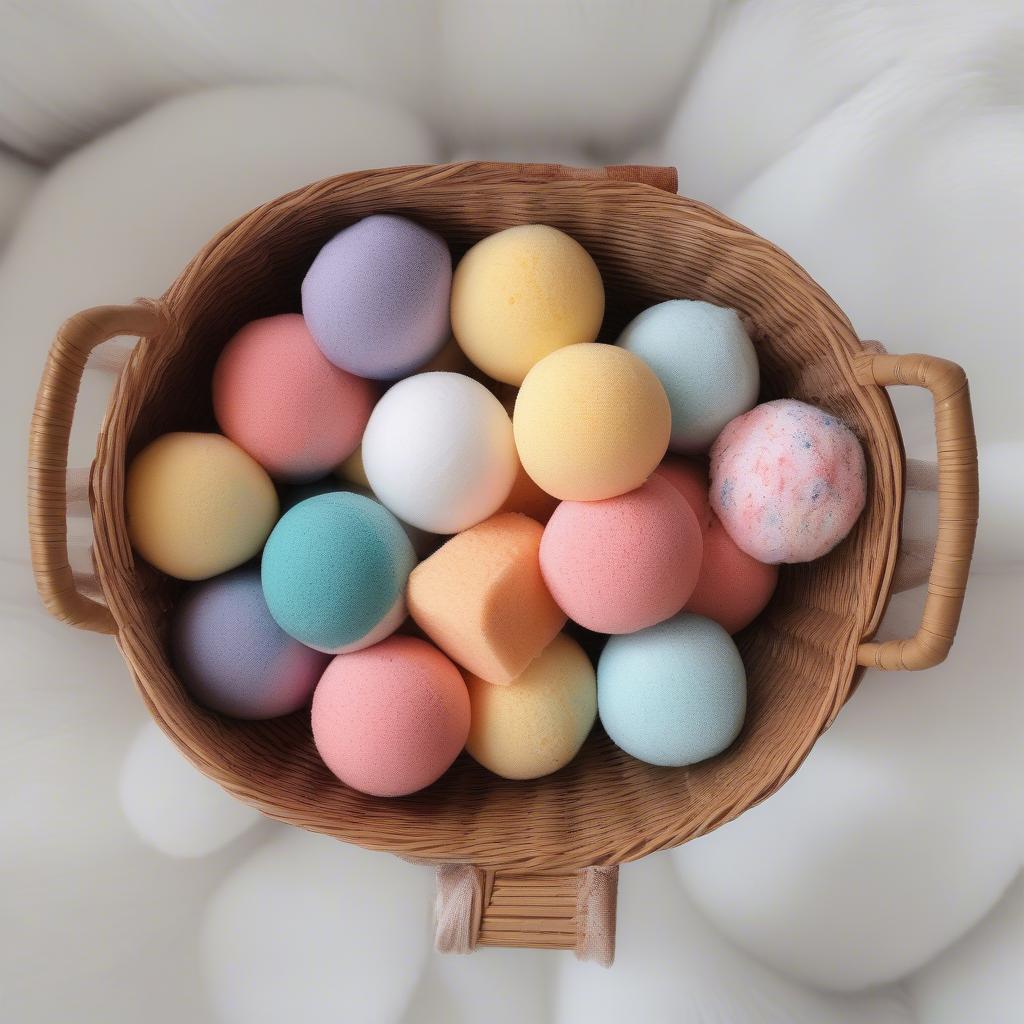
[{"x": 481, "y": 598}]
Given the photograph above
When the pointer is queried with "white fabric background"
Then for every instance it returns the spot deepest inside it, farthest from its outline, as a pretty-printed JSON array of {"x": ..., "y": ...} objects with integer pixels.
[{"x": 881, "y": 143}]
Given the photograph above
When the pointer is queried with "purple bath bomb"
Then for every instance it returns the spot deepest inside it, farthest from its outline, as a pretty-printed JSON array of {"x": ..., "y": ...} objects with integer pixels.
[
  {"x": 376, "y": 297},
  {"x": 233, "y": 657}
]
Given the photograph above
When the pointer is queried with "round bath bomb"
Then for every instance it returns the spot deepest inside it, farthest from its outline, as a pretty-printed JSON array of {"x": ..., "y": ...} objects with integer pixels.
[
  {"x": 233, "y": 657},
  {"x": 732, "y": 587},
  {"x": 376, "y": 297},
  {"x": 674, "y": 694},
  {"x": 536, "y": 724},
  {"x": 624, "y": 563},
  {"x": 704, "y": 359},
  {"x": 335, "y": 570},
  {"x": 439, "y": 452},
  {"x": 391, "y": 719},
  {"x": 276, "y": 395},
  {"x": 591, "y": 422},
  {"x": 197, "y": 505},
  {"x": 521, "y": 294},
  {"x": 788, "y": 481}
]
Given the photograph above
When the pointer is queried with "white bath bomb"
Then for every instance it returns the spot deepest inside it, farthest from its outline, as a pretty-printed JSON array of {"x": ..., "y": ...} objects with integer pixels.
[
  {"x": 438, "y": 451},
  {"x": 171, "y": 805},
  {"x": 124, "y": 234},
  {"x": 514, "y": 985},
  {"x": 315, "y": 930},
  {"x": 904, "y": 825},
  {"x": 978, "y": 978},
  {"x": 672, "y": 966}
]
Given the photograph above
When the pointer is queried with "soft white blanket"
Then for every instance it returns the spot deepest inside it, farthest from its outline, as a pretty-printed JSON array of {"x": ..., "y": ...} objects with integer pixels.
[{"x": 881, "y": 143}]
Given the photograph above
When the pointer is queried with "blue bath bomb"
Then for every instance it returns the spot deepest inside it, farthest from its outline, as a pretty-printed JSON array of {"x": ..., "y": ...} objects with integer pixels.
[
  {"x": 376, "y": 297},
  {"x": 233, "y": 657},
  {"x": 673, "y": 694},
  {"x": 334, "y": 572},
  {"x": 705, "y": 361}
]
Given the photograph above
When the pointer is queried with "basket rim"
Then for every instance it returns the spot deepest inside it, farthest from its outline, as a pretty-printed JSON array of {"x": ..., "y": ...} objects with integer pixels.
[{"x": 109, "y": 468}]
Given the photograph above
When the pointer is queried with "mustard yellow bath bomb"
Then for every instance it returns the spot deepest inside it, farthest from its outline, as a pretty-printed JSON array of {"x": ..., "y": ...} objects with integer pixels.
[
  {"x": 521, "y": 294},
  {"x": 537, "y": 723},
  {"x": 591, "y": 422},
  {"x": 197, "y": 505}
]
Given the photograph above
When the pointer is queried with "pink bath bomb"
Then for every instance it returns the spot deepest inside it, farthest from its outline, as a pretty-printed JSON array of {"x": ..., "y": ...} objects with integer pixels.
[
  {"x": 390, "y": 719},
  {"x": 624, "y": 563},
  {"x": 732, "y": 588},
  {"x": 788, "y": 481},
  {"x": 277, "y": 396}
]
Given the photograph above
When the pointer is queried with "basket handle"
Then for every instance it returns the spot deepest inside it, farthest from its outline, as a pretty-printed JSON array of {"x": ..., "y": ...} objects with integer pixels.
[
  {"x": 48, "y": 454},
  {"x": 958, "y": 506},
  {"x": 564, "y": 910}
]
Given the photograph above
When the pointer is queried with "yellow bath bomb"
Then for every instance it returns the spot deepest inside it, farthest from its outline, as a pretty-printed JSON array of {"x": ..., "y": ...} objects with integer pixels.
[
  {"x": 197, "y": 505},
  {"x": 352, "y": 469},
  {"x": 537, "y": 723},
  {"x": 521, "y": 294},
  {"x": 591, "y": 422}
]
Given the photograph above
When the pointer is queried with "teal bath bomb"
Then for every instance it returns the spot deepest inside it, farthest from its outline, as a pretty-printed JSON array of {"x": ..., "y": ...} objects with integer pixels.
[
  {"x": 705, "y": 361},
  {"x": 673, "y": 694},
  {"x": 334, "y": 572}
]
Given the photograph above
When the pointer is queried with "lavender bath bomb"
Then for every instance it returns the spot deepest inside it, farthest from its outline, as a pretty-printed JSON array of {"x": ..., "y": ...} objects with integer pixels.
[
  {"x": 233, "y": 657},
  {"x": 376, "y": 297},
  {"x": 788, "y": 481}
]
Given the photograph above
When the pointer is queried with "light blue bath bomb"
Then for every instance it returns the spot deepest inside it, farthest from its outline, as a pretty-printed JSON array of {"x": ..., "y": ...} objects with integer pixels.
[
  {"x": 673, "y": 694},
  {"x": 334, "y": 572},
  {"x": 705, "y": 361}
]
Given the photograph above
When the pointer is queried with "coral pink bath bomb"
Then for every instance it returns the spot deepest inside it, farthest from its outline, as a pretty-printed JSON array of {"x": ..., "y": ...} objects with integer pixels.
[
  {"x": 624, "y": 563},
  {"x": 390, "y": 719},
  {"x": 732, "y": 588},
  {"x": 277, "y": 396},
  {"x": 788, "y": 481}
]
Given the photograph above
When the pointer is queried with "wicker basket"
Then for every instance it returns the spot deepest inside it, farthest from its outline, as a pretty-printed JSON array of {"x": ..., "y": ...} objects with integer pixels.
[{"x": 526, "y": 863}]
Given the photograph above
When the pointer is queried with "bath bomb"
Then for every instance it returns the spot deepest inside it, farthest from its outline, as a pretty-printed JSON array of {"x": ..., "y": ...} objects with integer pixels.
[
  {"x": 674, "y": 694},
  {"x": 481, "y": 598},
  {"x": 788, "y": 481},
  {"x": 537, "y": 724},
  {"x": 439, "y": 452},
  {"x": 521, "y": 294},
  {"x": 276, "y": 395},
  {"x": 732, "y": 587},
  {"x": 704, "y": 359},
  {"x": 624, "y": 563},
  {"x": 376, "y": 297},
  {"x": 353, "y": 470},
  {"x": 390, "y": 720},
  {"x": 525, "y": 497},
  {"x": 233, "y": 657},
  {"x": 197, "y": 505},
  {"x": 334, "y": 572},
  {"x": 591, "y": 422}
]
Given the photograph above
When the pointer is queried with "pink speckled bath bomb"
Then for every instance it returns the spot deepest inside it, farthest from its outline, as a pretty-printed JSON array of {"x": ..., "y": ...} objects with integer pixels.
[
  {"x": 624, "y": 563},
  {"x": 276, "y": 395},
  {"x": 732, "y": 588},
  {"x": 788, "y": 481},
  {"x": 390, "y": 719}
]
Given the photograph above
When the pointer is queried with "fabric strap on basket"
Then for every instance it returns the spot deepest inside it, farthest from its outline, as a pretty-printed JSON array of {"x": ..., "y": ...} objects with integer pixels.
[{"x": 464, "y": 894}]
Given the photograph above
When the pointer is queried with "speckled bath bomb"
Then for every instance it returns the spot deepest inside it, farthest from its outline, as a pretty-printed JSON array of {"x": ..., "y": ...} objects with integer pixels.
[
  {"x": 704, "y": 359},
  {"x": 788, "y": 481},
  {"x": 376, "y": 297},
  {"x": 233, "y": 657}
]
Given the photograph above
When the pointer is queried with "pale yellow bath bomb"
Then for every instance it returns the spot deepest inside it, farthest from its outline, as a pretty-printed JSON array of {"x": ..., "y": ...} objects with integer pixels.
[
  {"x": 537, "y": 723},
  {"x": 591, "y": 422},
  {"x": 197, "y": 505},
  {"x": 353, "y": 470},
  {"x": 521, "y": 294}
]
